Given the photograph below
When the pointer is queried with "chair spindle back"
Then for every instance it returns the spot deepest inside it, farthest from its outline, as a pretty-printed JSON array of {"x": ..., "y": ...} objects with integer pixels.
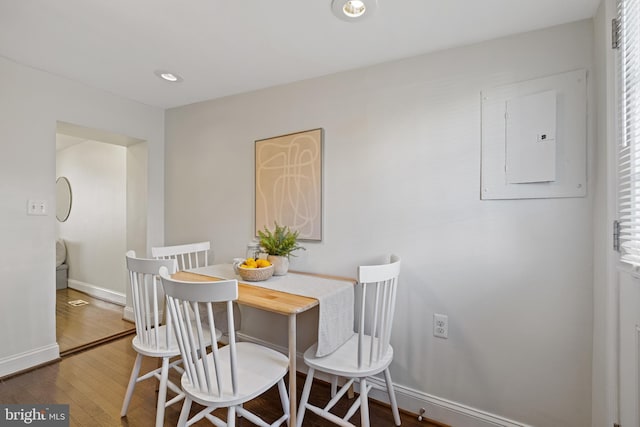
[
  {"x": 188, "y": 256},
  {"x": 380, "y": 283},
  {"x": 188, "y": 302},
  {"x": 147, "y": 298}
]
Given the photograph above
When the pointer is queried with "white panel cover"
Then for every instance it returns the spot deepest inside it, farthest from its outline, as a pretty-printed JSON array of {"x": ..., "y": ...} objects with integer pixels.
[{"x": 531, "y": 138}]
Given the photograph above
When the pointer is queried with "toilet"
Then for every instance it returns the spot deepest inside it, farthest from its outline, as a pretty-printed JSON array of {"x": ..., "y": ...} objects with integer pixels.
[{"x": 62, "y": 268}]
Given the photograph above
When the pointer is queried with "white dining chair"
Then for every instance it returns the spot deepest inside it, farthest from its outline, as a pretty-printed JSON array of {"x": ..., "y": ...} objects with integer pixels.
[
  {"x": 153, "y": 338},
  {"x": 226, "y": 377},
  {"x": 366, "y": 354},
  {"x": 195, "y": 255},
  {"x": 188, "y": 256}
]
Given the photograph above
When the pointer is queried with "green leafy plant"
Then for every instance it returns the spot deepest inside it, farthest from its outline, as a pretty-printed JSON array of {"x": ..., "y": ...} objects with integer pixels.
[{"x": 280, "y": 242}]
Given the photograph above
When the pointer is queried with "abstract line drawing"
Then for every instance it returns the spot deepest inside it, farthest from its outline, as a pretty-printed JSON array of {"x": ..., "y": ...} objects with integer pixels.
[{"x": 289, "y": 183}]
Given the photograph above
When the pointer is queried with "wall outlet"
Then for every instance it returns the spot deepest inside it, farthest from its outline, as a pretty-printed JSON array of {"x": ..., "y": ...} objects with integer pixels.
[{"x": 440, "y": 325}]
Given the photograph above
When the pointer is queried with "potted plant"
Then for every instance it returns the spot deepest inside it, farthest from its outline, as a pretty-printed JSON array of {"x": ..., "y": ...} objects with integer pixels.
[{"x": 279, "y": 245}]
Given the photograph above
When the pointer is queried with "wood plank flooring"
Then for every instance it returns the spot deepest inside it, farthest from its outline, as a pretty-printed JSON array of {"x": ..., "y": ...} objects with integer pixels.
[
  {"x": 93, "y": 383},
  {"x": 84, "y": 326}
]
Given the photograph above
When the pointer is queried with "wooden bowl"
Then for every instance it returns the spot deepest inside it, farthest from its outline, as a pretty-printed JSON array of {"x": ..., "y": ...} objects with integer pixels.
[{"x": 255, "y": 274}]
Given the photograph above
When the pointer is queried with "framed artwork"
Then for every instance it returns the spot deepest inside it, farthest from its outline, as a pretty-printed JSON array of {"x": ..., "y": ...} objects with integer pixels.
[{"x": 289, "y": 183}]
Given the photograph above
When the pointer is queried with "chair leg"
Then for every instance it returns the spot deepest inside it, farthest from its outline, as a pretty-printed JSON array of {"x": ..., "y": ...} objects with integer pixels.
[
  {"x": 305, "y": 396},
  {"x": 162, "y": 392},
  {"x": 132, "y": 384},
  {"x": 392, "y": 397},
  {"x": 334, "y": 385},
  {"x": 284, "y": 399},
  {"x": 364, "y": 404},
  {"x": 184, "y": 413},
  {"x": 231, "y": 416}
]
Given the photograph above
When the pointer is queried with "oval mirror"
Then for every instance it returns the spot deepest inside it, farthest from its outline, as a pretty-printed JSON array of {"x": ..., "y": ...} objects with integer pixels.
[{"x": 63, "y": 199}]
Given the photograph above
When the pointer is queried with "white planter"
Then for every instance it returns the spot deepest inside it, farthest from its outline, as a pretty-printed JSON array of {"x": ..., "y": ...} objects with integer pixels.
[{"x": 280, "y": 264}]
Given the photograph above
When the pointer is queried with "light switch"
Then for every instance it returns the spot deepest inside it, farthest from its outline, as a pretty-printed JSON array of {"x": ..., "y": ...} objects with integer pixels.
[{"x": 37, "y": 207}]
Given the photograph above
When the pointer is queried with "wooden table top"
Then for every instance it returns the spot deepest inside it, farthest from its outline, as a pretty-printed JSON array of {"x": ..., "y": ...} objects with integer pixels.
[{"x": 263, "y": 298}]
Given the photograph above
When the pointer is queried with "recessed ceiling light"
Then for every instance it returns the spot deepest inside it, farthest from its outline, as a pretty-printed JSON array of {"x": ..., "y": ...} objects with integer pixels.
[
  {"x": 168, "y": 76},
  {"x": 353, "y": 10}
]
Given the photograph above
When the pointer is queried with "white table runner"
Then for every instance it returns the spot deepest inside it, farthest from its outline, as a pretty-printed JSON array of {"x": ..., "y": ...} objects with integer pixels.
[{"x": 335, "y": 296}]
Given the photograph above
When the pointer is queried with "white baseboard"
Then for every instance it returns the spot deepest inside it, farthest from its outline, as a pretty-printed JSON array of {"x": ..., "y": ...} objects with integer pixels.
[
  {"x": 97, "y": 292},
  {"x": 29, "y": 359},
  {"x": 436, "y": 408},
  {"x": 442, "y": 410},
  {"x": 127, "y": 314}
]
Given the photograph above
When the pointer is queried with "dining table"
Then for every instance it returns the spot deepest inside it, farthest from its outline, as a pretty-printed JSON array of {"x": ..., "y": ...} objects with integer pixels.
[{"x": 290, "y": 295}]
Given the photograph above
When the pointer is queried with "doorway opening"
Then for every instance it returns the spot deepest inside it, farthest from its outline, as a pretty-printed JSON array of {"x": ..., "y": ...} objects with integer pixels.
[{"x": 107, "y": 176}]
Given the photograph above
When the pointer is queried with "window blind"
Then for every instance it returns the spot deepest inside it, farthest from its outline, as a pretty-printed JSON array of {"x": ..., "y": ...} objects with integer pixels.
[{"x": 629, "y": 126}]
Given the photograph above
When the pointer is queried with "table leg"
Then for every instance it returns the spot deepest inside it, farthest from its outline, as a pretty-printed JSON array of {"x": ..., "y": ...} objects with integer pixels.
[{"x": 292, "y": 370}]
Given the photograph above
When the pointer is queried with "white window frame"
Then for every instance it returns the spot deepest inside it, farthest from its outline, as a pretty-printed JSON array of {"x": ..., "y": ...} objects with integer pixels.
[{"x": 629, "y": 131}]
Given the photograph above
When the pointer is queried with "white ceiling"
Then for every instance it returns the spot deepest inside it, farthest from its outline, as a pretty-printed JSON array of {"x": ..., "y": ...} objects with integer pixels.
[{"x": 225, "y": 47}]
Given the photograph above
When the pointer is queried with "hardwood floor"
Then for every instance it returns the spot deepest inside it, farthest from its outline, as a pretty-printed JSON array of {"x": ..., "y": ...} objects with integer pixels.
[
  {"x": 84, "y": 326},
  {"x": 93, "y": 383}
]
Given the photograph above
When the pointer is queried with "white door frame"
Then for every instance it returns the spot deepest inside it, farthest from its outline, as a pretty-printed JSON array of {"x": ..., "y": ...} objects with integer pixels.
[{"x": 606, "y": 344}]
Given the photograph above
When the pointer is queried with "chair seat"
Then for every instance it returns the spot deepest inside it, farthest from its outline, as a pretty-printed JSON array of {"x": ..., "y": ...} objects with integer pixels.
[
  {"x": 259, "y": 368},
  {"x": 343, "y": 362},
  {"x": 164, "y": 350}
]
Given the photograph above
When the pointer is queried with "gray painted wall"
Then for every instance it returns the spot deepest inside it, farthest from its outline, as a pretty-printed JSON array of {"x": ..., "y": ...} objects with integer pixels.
[
  {"x": 401, "y": 174},
  {"x": 31, "y": 104}
]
